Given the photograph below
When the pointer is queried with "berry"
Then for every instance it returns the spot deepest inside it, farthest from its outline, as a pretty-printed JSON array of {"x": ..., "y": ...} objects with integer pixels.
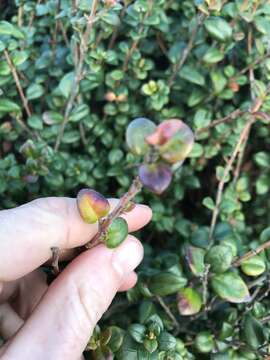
[{"x": 92, "y": 205}]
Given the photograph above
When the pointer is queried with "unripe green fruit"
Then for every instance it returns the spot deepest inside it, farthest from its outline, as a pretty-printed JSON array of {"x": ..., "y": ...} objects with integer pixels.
[
  {"x": 116, "y": 233},
  {"x": 136, "y": 133},
  {"x": 204, "y": 342},
  {"x": 92, "y": 205}
]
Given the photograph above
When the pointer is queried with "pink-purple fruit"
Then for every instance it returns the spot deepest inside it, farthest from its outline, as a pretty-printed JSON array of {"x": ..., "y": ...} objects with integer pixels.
[
  {"x": 174, "y": 140},
  {"x": 156, "y": 177},
  {"x": 92, "y": 205}
]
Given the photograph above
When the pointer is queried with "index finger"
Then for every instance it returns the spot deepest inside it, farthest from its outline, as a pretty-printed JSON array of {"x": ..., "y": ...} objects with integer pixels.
[{"x": 29, "y": 231}]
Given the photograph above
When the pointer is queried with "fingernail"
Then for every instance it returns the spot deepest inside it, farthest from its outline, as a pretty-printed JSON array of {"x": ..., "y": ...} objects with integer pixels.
[{"x": 127, "y": 256}]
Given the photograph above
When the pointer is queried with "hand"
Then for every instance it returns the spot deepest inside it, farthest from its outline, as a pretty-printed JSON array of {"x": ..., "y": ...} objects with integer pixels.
[{"x": 55, "y": 322}]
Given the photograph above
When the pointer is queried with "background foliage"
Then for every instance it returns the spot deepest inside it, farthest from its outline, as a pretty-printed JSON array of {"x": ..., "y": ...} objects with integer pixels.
[{"x": 73, "y": 74}]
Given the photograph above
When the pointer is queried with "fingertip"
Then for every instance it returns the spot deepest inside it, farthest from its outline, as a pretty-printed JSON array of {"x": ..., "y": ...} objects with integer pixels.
[{"x": 129, "y": 282}]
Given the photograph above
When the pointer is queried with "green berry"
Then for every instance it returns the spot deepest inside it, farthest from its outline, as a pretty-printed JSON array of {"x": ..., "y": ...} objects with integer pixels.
[{"x": 116, "y": 233}]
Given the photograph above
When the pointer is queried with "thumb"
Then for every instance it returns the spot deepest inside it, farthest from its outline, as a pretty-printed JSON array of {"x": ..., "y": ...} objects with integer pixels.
[{"x": 62, "y": 323}]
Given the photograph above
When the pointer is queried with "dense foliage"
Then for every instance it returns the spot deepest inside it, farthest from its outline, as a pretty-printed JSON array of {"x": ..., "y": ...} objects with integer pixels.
[{"x": 73, "y": 74}]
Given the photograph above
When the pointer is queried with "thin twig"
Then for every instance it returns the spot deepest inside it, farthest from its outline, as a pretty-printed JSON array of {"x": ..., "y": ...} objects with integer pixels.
[
  {"x": 254, "y": 63},
  {"x": 115, "y": 32},
  {"x": 205, "y": 283},
  {"x": 18, "y": 83},
  {"x": 63, "y": 31},
  {"x": 232, "y": 116},
  {"x": 33, "y": 15},
  {"x": 82, "y": 133},
  {"x": 20, "y": 16},
  {"x": 251, "y": 253},
  {"x": 265, "y": 319},
  {"x": 240, "y": 158},
  {"x": 161, "y": 44},
  {"x": 226, "y": 172},
  {"x": 186, "y": 51},
  {"x": 254, "y": 109},
  {"x": 55, "y": 32},
  {"x": 79, "y": 73},
  {"x": 136, "y": 42},
  {"x": 169, "y": 313},
  {"x": 134, "y": 189},
  {"x": 20, "y": 122},
  {"x": 251, "y": 70}
]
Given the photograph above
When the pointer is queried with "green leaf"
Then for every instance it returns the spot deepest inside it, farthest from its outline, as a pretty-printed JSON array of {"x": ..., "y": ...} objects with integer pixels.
[
  {"x": 196, "y": 152},
  {"x": 265, "y": 235},
  {"x": 4, "y": 68},
  {"x": 35, "y": 122},
  {"x": 231, "y": 287},
  {"x": 8, "y": 106},
  {"x": 166, "y": 283},
  {"x": 52, "y": 117},
  {"x": 79, "y": 112},
  {"x": 110, "y": 18},
  {"x": 166, "y": 341},
  {"x": 19, "y": 57},
  {"x": 115, "y": 156},
  {"x": 34, "y": 91},
  {"x": 7, "y": 28},
  {"x": 212, "y": 56},
  {"x": 220, "y": 174},
  {"x": 209, "y": 203},
  {"x": 220, "y": 258},
  {"x": 200, "y": 237},
  {"x": 204, "y": 342},
  {"x": 219, "y": 81},
  {"x": 116, "y": 338},
  {"x": 262, "y": 184},
  {"x": 192, "y": 75},
  {"x": 262, "y": 159},
  {"x": 195, "y": 260},
  {"x": 189, "y": 302},
  {"x": 66, "y": 84},
  {"x": 254, "y": 266},
  {"x": 150, "y": 345},
  {"x": 218, "y": 28},
  {"x": 202, "y": 118},
  {"x": 262, "y": 24},
  {"x": 137, "y": 332},
  {"x": 253, "y": 332}
]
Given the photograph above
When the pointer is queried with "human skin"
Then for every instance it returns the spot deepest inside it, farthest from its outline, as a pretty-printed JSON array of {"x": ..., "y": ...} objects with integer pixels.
[{"x": 55, "y": 322}]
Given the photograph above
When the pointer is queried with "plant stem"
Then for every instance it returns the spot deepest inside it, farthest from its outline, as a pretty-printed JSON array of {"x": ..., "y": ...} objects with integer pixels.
[
  {"x": 226, "y": 172},
  {"x": 205, "y": 284},
  {"x": 169, "y": 313},
  {"x": 233, "y": 115},
  {"x": 78, "y": 73},
  {"x": 251, "y": 253},
  {"x": 186, "y": 51},
  {"x": 136, "y": 42},
  {"x": 18, "y": 83},
  {"x": 134, "y": 189}
]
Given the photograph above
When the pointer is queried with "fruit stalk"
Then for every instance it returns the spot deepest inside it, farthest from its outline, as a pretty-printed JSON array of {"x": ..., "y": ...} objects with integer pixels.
[{"x": 134, "y": 189}]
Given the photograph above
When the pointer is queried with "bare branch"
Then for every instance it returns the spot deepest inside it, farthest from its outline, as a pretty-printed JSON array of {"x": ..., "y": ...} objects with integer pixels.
[
  {"x": 18, "y": 83},
  {"x": 79, "y": 73}
]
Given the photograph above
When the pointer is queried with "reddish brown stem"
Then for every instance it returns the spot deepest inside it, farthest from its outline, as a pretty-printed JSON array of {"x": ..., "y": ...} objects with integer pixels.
[
  {"x": 134, "y": 189},
  {"x": 252, "y": 253}
]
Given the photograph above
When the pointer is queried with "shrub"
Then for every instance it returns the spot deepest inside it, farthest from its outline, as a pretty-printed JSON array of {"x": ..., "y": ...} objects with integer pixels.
[{"x": 73, "y": 74}]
